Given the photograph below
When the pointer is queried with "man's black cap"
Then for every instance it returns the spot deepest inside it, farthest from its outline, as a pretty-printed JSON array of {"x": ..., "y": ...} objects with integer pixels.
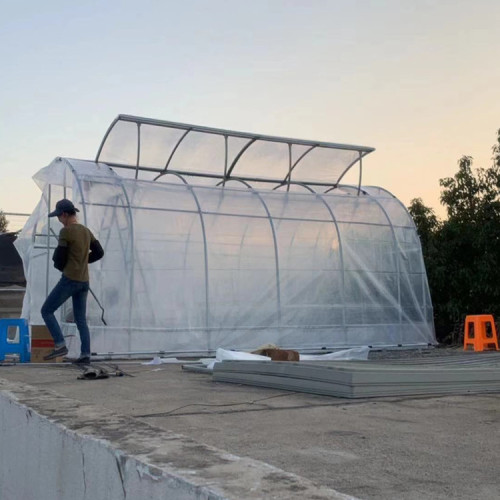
[{"x": 62, "y": 206}]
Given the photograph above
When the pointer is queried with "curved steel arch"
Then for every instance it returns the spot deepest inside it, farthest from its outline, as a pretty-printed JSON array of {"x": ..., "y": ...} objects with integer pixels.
[
  {"x": 275, "y": 242},
  {"x": 79, "y": 184},
  {"x": 359, "y": 158},
  {"x": 295, "y": 183},
  {"x": 422, "y": 262},
  {"x": 129, "y": 211},
  {"x": 239, "y": 155},
  {"x": 398, "y": 201},
  {"x": 178, "y": 143},
  {"x": 289, "y": 175},
  {"x": 395, "y": 243},
  {"x": 132, "y": 262},
  {"x": 331, "y": 189},
  {"x": 205, "y": 252},
  {"x": 396, "y": 255},
  {"x": 110, "y": 128},
  {"x": 223, "y": 181},
  {"x": 341, "y": 256},
  {"x": 128, "y": 207},
  {"x": 172, "y": 173},
  {"x": 205, "y": 247},
  {"x": 346, "y": 187}
]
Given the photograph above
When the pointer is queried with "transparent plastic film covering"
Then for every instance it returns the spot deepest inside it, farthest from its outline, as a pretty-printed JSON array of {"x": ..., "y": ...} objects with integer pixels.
[
  {"x": 222, "y": 239},
  {"x": 190, "y": 268}
]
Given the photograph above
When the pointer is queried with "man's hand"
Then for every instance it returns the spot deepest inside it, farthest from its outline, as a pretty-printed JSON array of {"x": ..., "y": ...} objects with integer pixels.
[
  {"x": 96, "y": 251},
  {"x": 60, "y": 257}
]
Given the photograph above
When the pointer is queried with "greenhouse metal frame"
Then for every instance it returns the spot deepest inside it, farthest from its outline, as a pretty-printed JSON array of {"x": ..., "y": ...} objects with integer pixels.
[
  {"x": 227, "y": 168},
  {"x": 232, "y": 254}
]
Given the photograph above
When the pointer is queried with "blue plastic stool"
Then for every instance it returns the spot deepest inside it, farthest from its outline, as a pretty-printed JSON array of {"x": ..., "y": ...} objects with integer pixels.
[{"x": 22, "y": 347}]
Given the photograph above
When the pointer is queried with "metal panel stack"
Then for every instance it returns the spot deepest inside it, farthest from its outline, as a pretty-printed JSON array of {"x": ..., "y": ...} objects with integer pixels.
[{"x": 353, "y": 379}]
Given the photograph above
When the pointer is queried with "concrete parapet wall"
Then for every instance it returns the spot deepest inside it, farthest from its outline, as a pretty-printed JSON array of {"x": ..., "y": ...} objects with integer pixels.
[
  {"x": 54, "y": 447},
  {"x": 48, "y": 461}
]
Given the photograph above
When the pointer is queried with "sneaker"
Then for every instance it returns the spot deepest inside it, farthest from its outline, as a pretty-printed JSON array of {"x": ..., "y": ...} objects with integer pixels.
[
  {"x": 56, "y": 353},
  {"x": 82, "y": 360}
]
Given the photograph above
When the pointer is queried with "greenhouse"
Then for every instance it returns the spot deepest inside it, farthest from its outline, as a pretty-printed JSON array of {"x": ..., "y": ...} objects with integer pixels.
[{"x": 215, "y": 238}]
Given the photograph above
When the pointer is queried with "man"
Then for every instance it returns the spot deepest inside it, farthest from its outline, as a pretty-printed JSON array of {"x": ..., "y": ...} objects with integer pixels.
[{"x": 76, "y": 249}]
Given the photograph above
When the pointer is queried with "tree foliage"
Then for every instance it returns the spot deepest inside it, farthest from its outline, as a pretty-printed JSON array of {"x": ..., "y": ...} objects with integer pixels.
[
  {"x": 426, "y": 221},
  {"x": 3, "y": 222},
  {"x": 462, "y": 253}
]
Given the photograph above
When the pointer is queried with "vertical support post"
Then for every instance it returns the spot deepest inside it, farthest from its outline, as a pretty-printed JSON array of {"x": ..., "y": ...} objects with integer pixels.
[
  {"x": 424, "y": 288},
  {"x": 82, "y": 197},
  {"x": 138, "y": 149},
  {"x": 225, "y": 159},
  {"x": 360, "y": 171},
  {"x": 289, "y": 166},
  {"x": 64, "y": 184},
  {"x": 131, "y": 266},
  {"x": 48, "y": 244}
]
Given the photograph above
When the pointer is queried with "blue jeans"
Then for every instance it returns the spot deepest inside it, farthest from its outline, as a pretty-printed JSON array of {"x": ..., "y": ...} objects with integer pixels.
[{"x": 78, "y": 291}]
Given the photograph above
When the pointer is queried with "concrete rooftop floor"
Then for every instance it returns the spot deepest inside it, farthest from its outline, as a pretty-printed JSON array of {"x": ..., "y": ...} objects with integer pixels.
[{"x": 405, "y": 448}]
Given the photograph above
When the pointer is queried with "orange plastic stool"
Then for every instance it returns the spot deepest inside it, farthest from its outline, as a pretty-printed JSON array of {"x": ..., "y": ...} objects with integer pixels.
[{"x": 480, "y": 333}]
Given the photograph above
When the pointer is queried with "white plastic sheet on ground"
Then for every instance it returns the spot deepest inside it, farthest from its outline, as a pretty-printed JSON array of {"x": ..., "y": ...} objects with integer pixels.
[
  {"x": 224, "y": 354},
  {"x": 190, "y": 268},
  {"x": 356, "y": 353}
]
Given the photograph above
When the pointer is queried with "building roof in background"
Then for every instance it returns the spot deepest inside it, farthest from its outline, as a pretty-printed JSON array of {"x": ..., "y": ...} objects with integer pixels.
[{"x": 11, "y": 266}]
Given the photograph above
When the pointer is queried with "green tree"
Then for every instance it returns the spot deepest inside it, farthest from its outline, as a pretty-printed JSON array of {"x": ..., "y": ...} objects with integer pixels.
[
  {"x": 470, "y": 193},
  {"x": 470, "y": 239},
  {"x": 462, "y": 253},
  {"x": 3, "y": 222},
  {"x": 426, "y": 221}
]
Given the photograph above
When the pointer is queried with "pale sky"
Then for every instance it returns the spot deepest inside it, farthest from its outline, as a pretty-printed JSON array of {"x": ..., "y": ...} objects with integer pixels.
[{"x": 418, "y": 80}]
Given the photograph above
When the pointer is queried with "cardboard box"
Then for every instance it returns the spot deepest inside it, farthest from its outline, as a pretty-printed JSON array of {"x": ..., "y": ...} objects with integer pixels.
[{"x": 42, "y": 344}]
